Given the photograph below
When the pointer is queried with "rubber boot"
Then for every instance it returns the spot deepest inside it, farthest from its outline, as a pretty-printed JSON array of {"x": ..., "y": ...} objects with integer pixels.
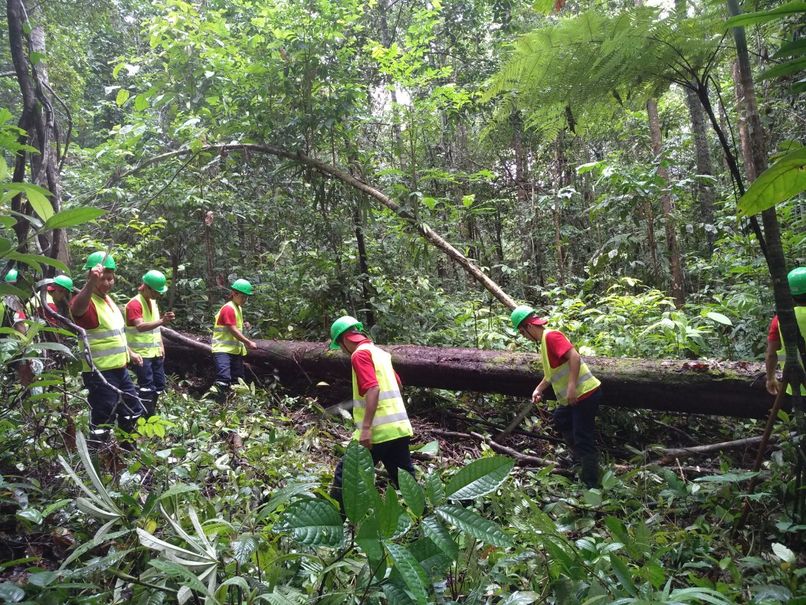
[
  {"x": 147, "y": 399},
  {"x": 590, "y": 471}
]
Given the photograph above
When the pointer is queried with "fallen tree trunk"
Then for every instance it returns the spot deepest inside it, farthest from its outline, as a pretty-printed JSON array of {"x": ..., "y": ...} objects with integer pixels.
[{"x": 699, "y": 387}]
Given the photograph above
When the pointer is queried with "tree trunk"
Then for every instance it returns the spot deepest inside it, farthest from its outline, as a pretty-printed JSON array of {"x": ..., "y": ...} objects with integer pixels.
[
  {"x": 363, "y": 266},
  {"x": 675, "y": 260},
  {"x": 705, "y": 189},
  {"x": 557, "y": 208},
  {"x": 700, "y": 387}
]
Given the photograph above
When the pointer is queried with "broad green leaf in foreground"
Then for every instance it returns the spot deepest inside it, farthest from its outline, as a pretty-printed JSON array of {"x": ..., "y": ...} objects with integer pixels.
[
  {"x": 479, "y": 477},
  {"x": 473, "y": 525},
  {"x": 781, "y": 181},
  {"x": 314, "y": 522}
]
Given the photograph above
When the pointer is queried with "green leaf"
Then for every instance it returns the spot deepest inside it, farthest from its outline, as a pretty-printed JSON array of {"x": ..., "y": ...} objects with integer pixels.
[
  {"x": 480, "y": 477},
  {"x": 719, "y": 318},
  {"x": 781, "y": 181},
  {"x": 396, "y": 595},
  {"x": 434, "y": 490},
  {"x": 122, "y": 97},
  {"x": 37, "y": 197},
  {"x": 623, "y": 574},
  {"x": 389, "y": 514},
  {"x": 798, "y": 47},
  {"x": 430, "y": 557},
  {"x": 36, "y": 261},
  {"x": 440, "y": 536},
  {"x": 244, "y": 547},
  {"x": 11, "y": 593},
  {"x": 412, "y": 493},
  {"x": 72, "y": 217},
  {"x": 781, "y": 551},
  {"x": 410, "y": 570},
  {"x": 140, "y": 102},
  {"x": 473, "y": 525},
  {"x": 521, "y": 597},
  {"x": 784, "y": 69},
  {"x": 358, "y": 482},
  {"x": 314, "y": 522},
  {"x": 368, "y": 538},
  {"x": 31, "y": 515},
  {"x": 763, "y": 16}
]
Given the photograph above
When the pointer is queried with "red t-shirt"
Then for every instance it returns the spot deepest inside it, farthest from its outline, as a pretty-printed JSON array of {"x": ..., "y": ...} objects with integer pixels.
[
  {"x": 227, "y": 316},
  {"x": 363, "y": 366},
  {"x": 557, "y": 345},
  {"x": 773, "y": 335},
  {"x": 89, "y": 321},
  {"x": 134, "y": 310}
]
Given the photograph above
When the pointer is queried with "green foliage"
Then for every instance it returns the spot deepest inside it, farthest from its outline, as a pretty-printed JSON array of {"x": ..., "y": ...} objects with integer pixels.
[{"x": 785, "y": 179}]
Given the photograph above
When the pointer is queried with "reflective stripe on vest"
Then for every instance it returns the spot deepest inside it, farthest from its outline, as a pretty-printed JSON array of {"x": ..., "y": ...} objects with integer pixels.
[
  {"x": 558, "y": 377},
  {"x": 108, "y": 340},
  {"x": 391, "y": 420},
  {"x": 800, "y": 316},
  {"x": 149, "y": 343},
  {"x": 223, "y": 340}
]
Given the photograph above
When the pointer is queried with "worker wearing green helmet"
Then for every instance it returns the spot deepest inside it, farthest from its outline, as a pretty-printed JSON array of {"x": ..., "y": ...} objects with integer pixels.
[
  {"x": 576, "y": 389},
  {"x": 229, "y": 343},
  {"x": 96, "y": 312},
  {"x": 143, "y": 323},
  {"x": 13, "y": 315},
  {"x": 379, "y": 412},
  {"x": 776, "y": 351},
  {"x": 57, "y": 298}
]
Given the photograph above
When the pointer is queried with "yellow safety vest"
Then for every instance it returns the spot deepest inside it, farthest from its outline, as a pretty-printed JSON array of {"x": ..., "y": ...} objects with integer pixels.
[
  {"x": 148, "y": 343},
  {"x": 558, "y": 377},
  {"x": 800, "y": 316},
  {"x": 107, "y": 341},
  {"x": 223, "y": 340},
  {"x": 391, "y": 420}
]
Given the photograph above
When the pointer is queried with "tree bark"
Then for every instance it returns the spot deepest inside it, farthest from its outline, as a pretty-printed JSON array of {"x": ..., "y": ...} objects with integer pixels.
[
  {"x": 675, "y": 260},
  {"x": 705, "y": 190},
  {"x": 699, "y": 387}
]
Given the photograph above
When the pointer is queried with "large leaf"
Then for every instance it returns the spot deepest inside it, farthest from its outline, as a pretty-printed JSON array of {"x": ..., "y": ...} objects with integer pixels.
[
  {"x": 781, "y": 181},
  {"x": 410, "y": 570},
  {"x": 439, "y": 535},
  {"x": 72, "y": 217},
  {"x": 358, "y": 482},
  {"x": 784, "y": 69},
  {"x": 396, "y": 595},
  {"x": 37, "y": 197},
  {"x": 412, "y": 492},
  {"x": 434, "y": 489},
  {"x": 389, "y": 513},
  {"x": 368, "y": 538},
  {"x": 480, "y": 477},
  {"x": 521, "y": 597},
  {"x": 430, "y": 557},
  {"x": 314, "y": 522},
  {"x": 746, "y": 19},
  {"x": 244, "y": 547},
  {"x": 473, "y": 525}
]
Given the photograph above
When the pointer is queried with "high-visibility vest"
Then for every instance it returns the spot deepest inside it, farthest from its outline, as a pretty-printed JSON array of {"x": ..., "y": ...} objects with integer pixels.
[
  {"x": 149, "y": 342},
  {"x": 558, "y": 377},
  {"x": 223, "y": 340},
  {"x": 800, "y": 316},
  {"x": 391, "y": 420},
  {"x": 108, "y": 340}
]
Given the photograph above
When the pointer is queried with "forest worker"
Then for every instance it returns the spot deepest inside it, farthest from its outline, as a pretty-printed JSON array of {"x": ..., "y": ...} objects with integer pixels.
[
  {"x": 576, "y": 389},
  {"x": 143, "y": 322},
  {"x": 381, "y": 422},
  {"x": 12, "y": 315},
  {"x": 775, "y": 341},
  {"x": 229, "y": 343},
  {"x": 57, "y": 297},
  {"x": 95, "y": 311}
]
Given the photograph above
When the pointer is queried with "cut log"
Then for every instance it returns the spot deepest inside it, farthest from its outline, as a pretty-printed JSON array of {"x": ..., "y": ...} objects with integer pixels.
[{"x": 698, "y": 387}]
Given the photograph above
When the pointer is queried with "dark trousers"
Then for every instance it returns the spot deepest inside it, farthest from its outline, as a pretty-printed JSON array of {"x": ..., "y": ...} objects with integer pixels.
[
  {"x": 228, "y": 368},
  {"x": 151, "y": 382},
  {"x": 106, "y": 405},
  {"x": 151, "y": 375},
  {"x": 394, "y": 454},
  {"x": 577, "y": 424}
]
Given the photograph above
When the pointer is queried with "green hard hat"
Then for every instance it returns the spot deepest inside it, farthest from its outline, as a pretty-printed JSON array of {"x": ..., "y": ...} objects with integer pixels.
[
  {"x": 797, "y": 281},
  {"x": 12, "y": 276},
  {"x": 156, "y": 281},
  {"x": 100, "y": 258},
  {"x": 520, "y": 313},
  {"x": 340, "y": 326},
  {"x": 64, "y": 281},
  {"x": 242, "y": 286}
]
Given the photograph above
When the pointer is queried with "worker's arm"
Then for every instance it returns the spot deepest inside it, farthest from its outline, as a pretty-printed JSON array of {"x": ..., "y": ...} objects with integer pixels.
[
  {"x": 574, "y": 361},
  {"x": 81, "y": 301},
  {"x": 771, "y": 363},
  {"x": 250, "y": 344},
  {"x": 537, "y": 395},
  {"x": 145, "y": 326},
  {"x": 371, "y": 401}
]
